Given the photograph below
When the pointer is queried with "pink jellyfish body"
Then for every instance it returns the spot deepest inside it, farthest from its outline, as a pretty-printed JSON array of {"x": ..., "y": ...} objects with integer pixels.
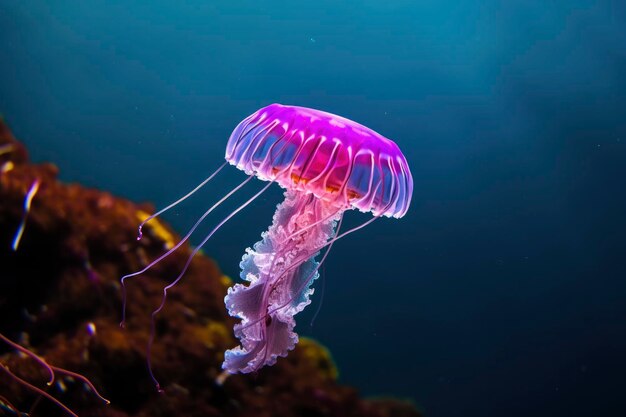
[{"x": 327, "y": 164}]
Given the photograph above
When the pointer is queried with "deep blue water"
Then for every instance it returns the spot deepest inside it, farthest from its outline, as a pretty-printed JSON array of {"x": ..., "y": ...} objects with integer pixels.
[{"x": 502, "y": 292}]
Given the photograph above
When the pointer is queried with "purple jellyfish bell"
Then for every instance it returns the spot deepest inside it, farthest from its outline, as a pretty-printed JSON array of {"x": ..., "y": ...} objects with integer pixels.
[{"x": 327, "y": 164}]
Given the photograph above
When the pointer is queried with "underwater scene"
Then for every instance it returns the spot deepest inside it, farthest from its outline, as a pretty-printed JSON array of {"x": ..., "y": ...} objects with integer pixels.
[{"x": 318, "y": 209}]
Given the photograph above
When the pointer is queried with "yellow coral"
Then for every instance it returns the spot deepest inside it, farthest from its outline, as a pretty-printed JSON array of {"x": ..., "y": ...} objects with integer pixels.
[
  {"x": 226, "y": 281},
  {"x": 212, "y": 333},
  {"x": 158, "y": 229},
  {"x": 319, "y": 356},
  {"x": 6, "y": 167}
]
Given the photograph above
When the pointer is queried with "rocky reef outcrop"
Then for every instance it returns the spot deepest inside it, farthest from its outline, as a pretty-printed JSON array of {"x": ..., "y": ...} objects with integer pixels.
[{"x": 60, "y": 298}]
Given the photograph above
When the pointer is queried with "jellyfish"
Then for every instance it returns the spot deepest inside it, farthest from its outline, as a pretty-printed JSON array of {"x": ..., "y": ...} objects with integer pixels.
[{"x": 327, "y": 165}]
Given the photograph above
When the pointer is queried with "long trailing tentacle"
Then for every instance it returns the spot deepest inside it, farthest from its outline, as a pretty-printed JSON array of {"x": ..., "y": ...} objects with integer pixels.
[
  {"x": 322, "y": 286},
  {"x": 6, "y": 404},
  {"x": 178, "y": 245},
  {"x": 37, "y": 390},
  {"x": 51, "y": 370},
  {"x": 180, "y": 200},
  {"x": 322, "y": 290},
  {"x": 82, "y": 378},
  {"x": 173, "y": 283},
  {"x": 268, "y": 159},
  {"x": 41, "y": 361}
]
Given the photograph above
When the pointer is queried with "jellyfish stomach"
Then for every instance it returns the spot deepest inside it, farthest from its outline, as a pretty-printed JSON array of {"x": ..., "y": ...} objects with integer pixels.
[{"x": 280, "y": 269}]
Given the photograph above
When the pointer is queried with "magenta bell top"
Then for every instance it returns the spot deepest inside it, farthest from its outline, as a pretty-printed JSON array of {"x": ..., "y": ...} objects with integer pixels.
[{"x": 336, "y": 159}]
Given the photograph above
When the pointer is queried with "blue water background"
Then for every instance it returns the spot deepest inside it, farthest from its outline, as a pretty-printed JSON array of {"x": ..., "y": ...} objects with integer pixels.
[{"x": 501, "y": 293}]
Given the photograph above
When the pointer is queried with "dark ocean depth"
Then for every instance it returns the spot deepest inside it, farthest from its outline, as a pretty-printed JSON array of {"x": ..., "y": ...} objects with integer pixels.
[{"x": 502, "y": 292}]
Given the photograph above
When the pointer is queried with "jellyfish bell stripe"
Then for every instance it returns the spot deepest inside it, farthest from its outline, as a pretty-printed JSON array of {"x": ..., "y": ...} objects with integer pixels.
[
  {"x": 330, "y": 162},
  {"x": 371, "y": 175},
  {"x": 308, "y": 159},
  {"x": 269, "y": 160},
  {"x": 344, "y": 183},
  {"x": 258, "y": 134},
  {"x": 244, "y": 126},
  {"x": 257, "y": 140}
]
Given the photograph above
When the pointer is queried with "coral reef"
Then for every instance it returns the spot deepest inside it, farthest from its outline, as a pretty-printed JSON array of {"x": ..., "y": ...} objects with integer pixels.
[{"x": 60, "y": 298}]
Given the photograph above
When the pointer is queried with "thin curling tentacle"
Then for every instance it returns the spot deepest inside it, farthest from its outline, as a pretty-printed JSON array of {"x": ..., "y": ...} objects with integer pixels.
[
  {"x": 178, "y": 245},
  {"x": 180, "y": 200},
  {"x": 37, "y": 390},
  {"x": 182, "y": 273},
  {"x": 51, "y": 370},
  {"x": 85, "y": 381},
  {"x": 41, "y": 361}
]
